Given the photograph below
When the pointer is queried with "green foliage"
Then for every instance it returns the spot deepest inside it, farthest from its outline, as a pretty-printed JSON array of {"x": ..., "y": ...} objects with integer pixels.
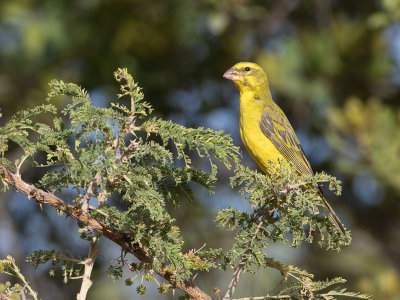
[
  {"x": 318, "y": 290},
  {"x": 70, "y": 266},
  {"x": 285, "y": 203},
  {"x": 115, "y": 272},
  {"x": 9, "y": 267},
  {"x": 285, "y": 208},
  {"x": 97, "y": 152}
]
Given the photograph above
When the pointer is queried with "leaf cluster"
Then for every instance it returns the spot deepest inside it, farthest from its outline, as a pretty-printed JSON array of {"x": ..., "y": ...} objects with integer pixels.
[
  {"x": 69, "y": 265},
  {"x": 285, "y": 207},
  {"x": 9, "y": 267},
  {"x": 318, "y": 290}
]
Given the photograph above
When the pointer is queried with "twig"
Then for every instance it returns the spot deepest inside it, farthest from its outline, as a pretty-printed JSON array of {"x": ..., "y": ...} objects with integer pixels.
[
  {"x": 119, "y": 237},
  {"x": 92, "y": 190},
  {"x": 21, "y": 162},
  {"x": 266, "y": 297},
  {"x": 239, "y": 268},
  {"x": 89, "y": 263},
  {"x": 235, "y": 280},
  {"x": 199, "y": 248},
  {"x": 325, "y": 296},
  {"x": 96, "y": 209},
  {"x": 17, "y": 273},
  {"x": 65, "y": 258}
]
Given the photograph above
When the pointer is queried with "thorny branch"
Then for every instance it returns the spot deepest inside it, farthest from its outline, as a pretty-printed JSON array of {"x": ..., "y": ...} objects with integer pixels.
[
  {"x": 93, "y": 253},
  {"x": 122, "y": 239}
]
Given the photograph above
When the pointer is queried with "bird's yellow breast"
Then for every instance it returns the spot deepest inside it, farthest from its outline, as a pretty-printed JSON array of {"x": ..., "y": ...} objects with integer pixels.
[{"x": 260, "y": 147}]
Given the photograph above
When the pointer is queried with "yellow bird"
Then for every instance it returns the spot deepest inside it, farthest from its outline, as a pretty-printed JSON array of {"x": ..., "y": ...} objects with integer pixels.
[{"x": 264, "y": 128}]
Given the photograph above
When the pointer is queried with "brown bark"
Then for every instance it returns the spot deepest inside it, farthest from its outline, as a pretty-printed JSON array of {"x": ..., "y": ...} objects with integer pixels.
[{"x": 120, "y": 238}]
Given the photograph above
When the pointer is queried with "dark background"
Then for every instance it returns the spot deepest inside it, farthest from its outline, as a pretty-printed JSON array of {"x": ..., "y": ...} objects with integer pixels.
[{"x": 333, "y": 67}]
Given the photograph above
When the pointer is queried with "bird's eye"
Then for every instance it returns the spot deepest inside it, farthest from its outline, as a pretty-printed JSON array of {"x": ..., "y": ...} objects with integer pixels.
[{"x": 247, "y": 69}]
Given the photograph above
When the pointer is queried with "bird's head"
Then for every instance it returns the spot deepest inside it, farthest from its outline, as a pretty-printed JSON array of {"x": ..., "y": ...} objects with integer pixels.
[{"x": 247, "y": 76}]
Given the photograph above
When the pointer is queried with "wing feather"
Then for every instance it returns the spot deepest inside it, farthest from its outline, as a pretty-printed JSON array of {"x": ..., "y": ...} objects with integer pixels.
[{"x": 277, "y": 128}]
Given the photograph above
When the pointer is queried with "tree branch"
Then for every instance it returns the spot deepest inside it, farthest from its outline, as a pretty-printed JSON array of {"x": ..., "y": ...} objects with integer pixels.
[
  {"x": 121, "y": 238},
  {"x": 89, "y": 264},
  {"x": 266, "y": 297},
  {"x": 234, "y": 281},
  {"x": 239, "y": 268}
]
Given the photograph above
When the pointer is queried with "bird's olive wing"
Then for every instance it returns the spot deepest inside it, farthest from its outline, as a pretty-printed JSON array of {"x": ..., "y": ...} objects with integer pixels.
[{"x": 277, "y": 128}]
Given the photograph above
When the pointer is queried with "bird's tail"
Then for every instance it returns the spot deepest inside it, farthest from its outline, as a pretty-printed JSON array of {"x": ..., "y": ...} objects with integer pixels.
[{"x": 340, "y": 227}]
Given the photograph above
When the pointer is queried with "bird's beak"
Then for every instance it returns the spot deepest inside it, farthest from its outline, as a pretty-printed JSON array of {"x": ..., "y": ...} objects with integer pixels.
[{"x": 232, "y": 74}]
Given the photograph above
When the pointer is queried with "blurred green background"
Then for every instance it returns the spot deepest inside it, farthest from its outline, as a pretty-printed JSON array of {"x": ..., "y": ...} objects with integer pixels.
[{"x": 334, "y": 68}]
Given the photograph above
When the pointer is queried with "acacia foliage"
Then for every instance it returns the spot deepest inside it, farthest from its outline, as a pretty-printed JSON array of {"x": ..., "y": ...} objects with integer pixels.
[{"x": 97, "y": 152}]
